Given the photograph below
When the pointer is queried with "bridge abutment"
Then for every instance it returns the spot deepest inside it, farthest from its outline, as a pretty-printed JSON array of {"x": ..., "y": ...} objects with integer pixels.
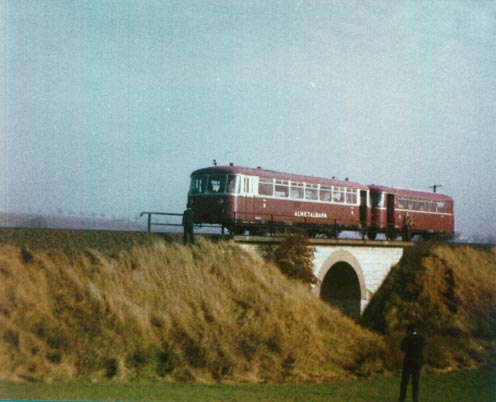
[
  {"x": 370, "y": 265},
  {"x": 349, "y": 271}
]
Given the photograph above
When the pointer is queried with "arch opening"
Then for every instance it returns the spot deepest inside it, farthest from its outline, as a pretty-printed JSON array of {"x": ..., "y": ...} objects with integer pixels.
[{"x": 341, "y": 288}]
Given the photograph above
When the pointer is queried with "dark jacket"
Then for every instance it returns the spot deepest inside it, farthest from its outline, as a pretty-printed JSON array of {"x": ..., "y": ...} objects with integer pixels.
[
  {"x": 413, "y": 346},
  {"x": 188, "y": 218}
]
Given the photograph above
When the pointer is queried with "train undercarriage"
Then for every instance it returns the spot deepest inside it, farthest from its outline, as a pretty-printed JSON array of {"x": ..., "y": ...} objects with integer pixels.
[{"x": 329, "y": 231}]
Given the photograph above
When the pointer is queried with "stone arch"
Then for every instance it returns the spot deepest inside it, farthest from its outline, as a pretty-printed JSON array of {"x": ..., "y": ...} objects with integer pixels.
[{"x": 342, "y": 282}]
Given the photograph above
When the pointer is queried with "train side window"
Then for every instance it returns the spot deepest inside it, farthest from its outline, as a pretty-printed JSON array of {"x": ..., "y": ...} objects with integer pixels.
[
  {"x": 245, "y": 186},
  {"x": 402, "y": 202},
  {"x": 351, "y": 196},
  {"x": 266, "y": 187},
  {"x": 311, "y": 191},
  {"x": 440, "y": 206},
  {"x": 325, "y": 193},
  {"x": 233, "y": 184},
  {"x": 338, "y": 194},
  {"x": 282, "y": 188},
  {"x": 296, "y": 190},
  {"x": 377, "y": 199},
  {"x": 434, "y": 206}
]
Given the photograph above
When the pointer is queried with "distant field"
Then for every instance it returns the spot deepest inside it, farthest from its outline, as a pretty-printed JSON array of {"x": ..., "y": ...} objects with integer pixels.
[
  {"x": 468, "y": 386},
  {"x": 70, "y": 241}
]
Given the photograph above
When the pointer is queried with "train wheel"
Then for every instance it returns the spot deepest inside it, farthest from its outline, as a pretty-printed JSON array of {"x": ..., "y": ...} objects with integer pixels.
[
  {"x": 259, "y": 231},
  {"x": 254, "y": 231},
  {"x": 238, "y": 230},
  {"x": 391, "y": 235},
  {"x": 372, "y": 235},
  {"x": 282, "y": 230}
]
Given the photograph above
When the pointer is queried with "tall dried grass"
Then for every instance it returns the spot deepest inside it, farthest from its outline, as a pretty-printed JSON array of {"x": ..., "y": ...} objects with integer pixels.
[
  {"x": 211, "y": 312},
  {"x": 449, "y": 291}
]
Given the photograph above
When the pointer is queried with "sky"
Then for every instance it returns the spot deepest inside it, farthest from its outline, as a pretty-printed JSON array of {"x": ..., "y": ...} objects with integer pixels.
[{"x": 106, "y": 107}]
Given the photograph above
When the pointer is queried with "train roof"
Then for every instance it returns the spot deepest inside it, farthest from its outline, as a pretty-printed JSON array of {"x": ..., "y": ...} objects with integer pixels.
[
  {"x": 232, "y": 169},
  {"x": 411, "y": 193}
]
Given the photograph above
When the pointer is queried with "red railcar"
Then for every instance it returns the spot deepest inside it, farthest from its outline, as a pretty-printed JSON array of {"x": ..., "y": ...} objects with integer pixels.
[
  {"x": 264, "y": 201},
  {"x": 408, "y": 213},
  {"x": 260, "y": 201}
]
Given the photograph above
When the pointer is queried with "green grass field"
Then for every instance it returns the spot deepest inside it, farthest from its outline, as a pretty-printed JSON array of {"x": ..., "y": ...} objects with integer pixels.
[{"x": 467, "y": 386}]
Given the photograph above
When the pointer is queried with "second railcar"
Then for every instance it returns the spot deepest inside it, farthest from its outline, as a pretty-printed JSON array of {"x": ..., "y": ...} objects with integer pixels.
[{"x": 408, "y": 213}]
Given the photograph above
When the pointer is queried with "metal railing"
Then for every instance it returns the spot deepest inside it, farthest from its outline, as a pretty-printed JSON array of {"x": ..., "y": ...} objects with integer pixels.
[{"x": 150, "y": 223}]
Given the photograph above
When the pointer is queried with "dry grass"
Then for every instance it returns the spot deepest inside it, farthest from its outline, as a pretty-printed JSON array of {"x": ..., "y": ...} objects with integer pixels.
[
  {"x": 207, "y": 313},
  {"x": 144, "y": 308},
  {"x": 449, "y": 291}
]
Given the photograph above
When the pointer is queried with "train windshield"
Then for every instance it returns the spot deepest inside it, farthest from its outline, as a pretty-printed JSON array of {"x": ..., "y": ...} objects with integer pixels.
[
  {"x": 214, "y": 184},
  {"x": 198, "y": 184}
]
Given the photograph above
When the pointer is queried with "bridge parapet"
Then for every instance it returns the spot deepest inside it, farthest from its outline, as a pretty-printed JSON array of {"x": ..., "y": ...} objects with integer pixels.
[{"x": 323, "y": 242}]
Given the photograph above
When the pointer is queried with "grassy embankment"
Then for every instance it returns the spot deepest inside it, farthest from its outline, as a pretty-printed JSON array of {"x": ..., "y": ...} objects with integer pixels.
[
  {"x": 207, "y": 313},
  {"x": 449, "y": 291},
  {"x": 145, "y": 308}
]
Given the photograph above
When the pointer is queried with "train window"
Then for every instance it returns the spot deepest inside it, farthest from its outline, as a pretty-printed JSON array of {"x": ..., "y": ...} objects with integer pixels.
[
  {"x": 325, "y": 193},
  {"x": 296, "y": 190},
  {"x": 311, "y": 191},
  {"x": 233, "y": 184},
  {"x": 440, "y": 206},
  {"x": 402, "y": 202},
  {"x": 216, "y": 183},
  {"x": 246, "y": 185},
  {"x": 198, "y": 184},
  {"x": 338, "y": 194},
  {"x": 431, "y": 206},
  {"x": 377, "y": 199},
  {"x": 282, "y": 188},
  {"x": 351, "y": 196},
  {"x": 266, "y": 186}
]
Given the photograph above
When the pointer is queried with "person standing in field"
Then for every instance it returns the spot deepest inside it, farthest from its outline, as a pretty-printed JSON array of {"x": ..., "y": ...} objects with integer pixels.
[
  {"x": 188, "y": 221},
  {"x": 412, "y": 346}
]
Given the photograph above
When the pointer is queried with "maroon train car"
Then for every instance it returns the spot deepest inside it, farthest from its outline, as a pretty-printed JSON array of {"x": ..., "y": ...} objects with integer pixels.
[
  {"x": 262, "y": 201},
  {"x": 426, "y": 214}
]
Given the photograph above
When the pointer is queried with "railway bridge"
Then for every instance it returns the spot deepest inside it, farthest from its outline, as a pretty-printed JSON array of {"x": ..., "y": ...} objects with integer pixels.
[{"x": 349, "y": 271}]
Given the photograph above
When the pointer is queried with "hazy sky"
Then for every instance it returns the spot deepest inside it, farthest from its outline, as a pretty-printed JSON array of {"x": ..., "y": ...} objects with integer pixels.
[{"x": 107, "y": 106}]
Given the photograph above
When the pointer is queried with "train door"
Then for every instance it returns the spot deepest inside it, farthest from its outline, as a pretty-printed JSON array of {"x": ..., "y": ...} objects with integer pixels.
[
  {"x": 390, "y": 231},
  {"x": 363, "y": 212},
  {"x": 249, "y": 198},
  {"x": 363, "y": 209}
]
